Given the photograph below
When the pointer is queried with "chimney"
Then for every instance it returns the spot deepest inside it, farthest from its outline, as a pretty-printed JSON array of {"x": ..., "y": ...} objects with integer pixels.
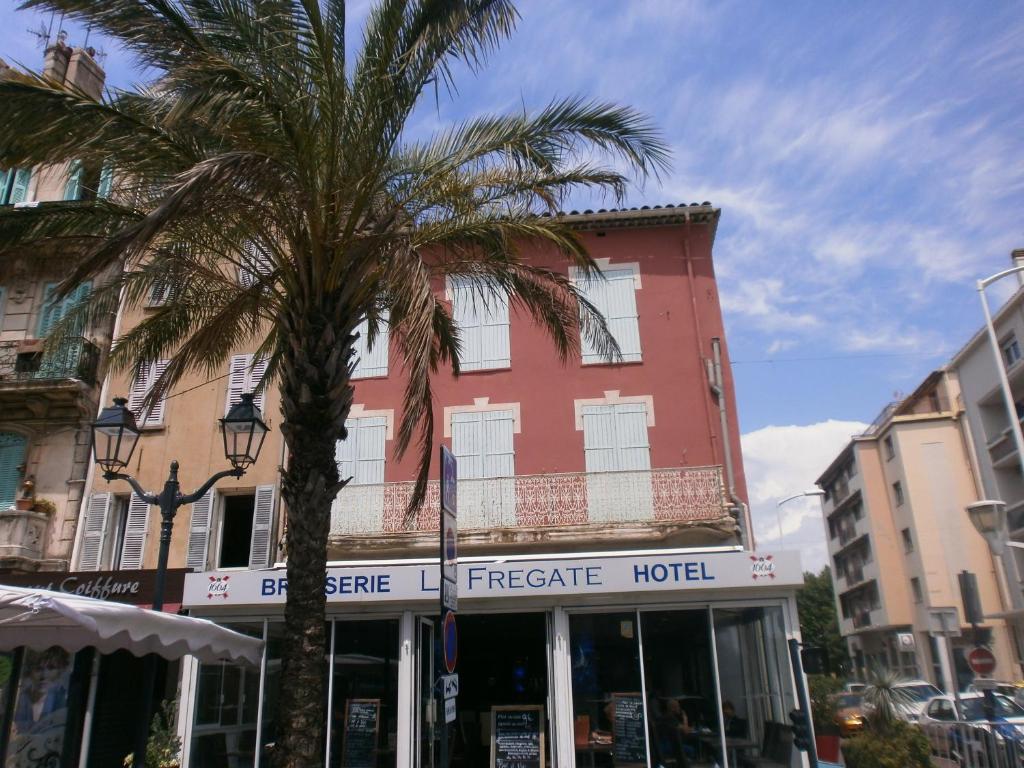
[
  {"x": 1017, "y": 257},
  {"x": 84, "y": 73},
  {"x": 55, "y": 62}
]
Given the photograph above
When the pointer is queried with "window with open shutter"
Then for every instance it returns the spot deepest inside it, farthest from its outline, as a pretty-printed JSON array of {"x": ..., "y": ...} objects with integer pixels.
[
  {"x": 53, "y": 310},
  {"x": 94, "y": 531},
  {"x": 12, "y": 458},
  {"x": 146, "y": 376},
  {"x": 106, "y": 182},
  {"x": 199, "y": 532},
  {"x": 135, "y": 530},
  {"x": 372, "y": 360},
  {"x": 262, "y": 525},
  {"x": 482, "y": 317},
  {"x": 615, "y": 442},
  {"x": 614, "y": 294},
  {"x": 255, "y": 265},
  {"x": 482, "y": 441},
  {"x": 244, "y": 376},
  {"x": 14, "y": 185}
]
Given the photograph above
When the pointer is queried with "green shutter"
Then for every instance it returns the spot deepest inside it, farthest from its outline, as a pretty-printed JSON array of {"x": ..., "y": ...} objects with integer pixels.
[
  {"x": 12, "y": 456},
  {"x": 73, "y": 189},
  {"x": 20, "y": 189},
  {"x": 49, "y": 312},
  {"x": 6, "y": 179}
]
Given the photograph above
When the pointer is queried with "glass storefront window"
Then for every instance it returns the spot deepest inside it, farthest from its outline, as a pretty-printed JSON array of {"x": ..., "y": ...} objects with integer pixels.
[
  {"x": 227, "y": 703},
  {"x": 682, "y": 702},
  {"x": 607, "y": 690},
  {"x": 364, "y": 709},
  {"x": 755, "y": 683}
]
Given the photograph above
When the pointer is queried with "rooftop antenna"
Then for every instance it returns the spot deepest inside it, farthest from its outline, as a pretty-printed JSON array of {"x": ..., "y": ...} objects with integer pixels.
[
  {"x": 88, "y": 30},
  {"x": 41, "y": 35}
]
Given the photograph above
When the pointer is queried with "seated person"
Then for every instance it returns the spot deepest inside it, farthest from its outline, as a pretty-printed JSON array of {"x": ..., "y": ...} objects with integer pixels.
[
  {"x": 669, "y": 725},
  {"x": 735, "y": 727}
]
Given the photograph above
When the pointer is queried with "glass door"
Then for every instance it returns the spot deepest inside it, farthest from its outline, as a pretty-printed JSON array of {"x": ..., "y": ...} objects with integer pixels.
[{"x": 427, "y": 744}]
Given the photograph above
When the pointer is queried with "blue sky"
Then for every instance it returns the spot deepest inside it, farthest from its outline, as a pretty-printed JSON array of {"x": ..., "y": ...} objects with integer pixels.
[{"x": 867, "y": 159}]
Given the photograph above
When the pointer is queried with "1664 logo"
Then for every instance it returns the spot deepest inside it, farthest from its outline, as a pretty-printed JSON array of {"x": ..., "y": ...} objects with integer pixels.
[
  {"x": 762, "y": 567},
  {"x": 218, "y": 587}
]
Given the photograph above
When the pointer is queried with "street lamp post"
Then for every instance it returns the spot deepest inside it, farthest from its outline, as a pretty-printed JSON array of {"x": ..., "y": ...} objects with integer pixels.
[
  {"x": 778, "y": 506},
  {"x": 115, "y": 435}
]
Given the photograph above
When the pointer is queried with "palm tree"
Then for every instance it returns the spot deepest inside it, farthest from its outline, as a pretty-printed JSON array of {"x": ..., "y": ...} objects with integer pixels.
[
  {"x": 885, "y": 702},
  {"x": 262, "y": 147}
]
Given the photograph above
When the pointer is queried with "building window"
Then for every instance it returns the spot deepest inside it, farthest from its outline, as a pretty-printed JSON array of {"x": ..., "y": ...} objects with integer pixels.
[
  {"x": 146, "y": 376},
  {"x": 481, "y": 313},
  {"x": 897, "y": 492},
  {"x": 482, "y": 441},
  {"x": 14, "y": 185},
  {"x": 613, "y": 293},
  {"x": 12, "y": 462},
  {"x": 1011, "y": 350},
  {"x": 163, "y": 290},
  {"x": 52, "y": 310},
  {"x": 245, "y": 375},
  {"x": 908, "y": 541},
  {"x": 114, "y": 530},
  {"x": 244, "y": 522},
  {"x": 915, "y": 585},
  {"x": 890, "y": 448},
  {"x": 256, "y": 264},
  {"x": 361, "y": 455},
  {"x": 371, "y": 359},
  {"x": 618, "y": 462}
]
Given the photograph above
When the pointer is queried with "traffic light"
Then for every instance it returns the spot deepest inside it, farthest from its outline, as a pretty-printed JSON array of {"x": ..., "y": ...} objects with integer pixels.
[{"x": 801, "y": 729}]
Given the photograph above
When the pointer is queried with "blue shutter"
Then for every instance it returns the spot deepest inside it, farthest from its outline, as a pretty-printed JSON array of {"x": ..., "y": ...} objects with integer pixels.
[
  {"x": 12, "y": 457},
  {"x": 19, "y": 191},
  {"x": 49, "y": 312},
  {"x": 73, "y": 189},
  {"x": 106, "y": 182}
]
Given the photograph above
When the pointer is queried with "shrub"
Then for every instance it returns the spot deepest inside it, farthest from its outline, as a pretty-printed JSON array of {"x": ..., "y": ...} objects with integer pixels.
[
  {"x": 164, "y": 746},
  {"x": 900, "y": 745},
  {"x": 823, "y": 689}
]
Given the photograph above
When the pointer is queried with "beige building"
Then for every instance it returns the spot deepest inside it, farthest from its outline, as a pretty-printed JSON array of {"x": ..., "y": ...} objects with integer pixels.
[
  {"x": 898, "y": 535},
  {"x": 47, "y": 398}
]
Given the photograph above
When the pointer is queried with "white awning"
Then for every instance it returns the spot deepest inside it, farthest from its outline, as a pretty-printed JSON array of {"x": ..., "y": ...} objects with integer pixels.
[{"x": 39, "y": 619}]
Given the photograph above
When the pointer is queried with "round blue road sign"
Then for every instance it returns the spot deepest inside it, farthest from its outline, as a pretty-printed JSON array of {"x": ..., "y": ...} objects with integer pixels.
[{"x": 451, "y": 642}]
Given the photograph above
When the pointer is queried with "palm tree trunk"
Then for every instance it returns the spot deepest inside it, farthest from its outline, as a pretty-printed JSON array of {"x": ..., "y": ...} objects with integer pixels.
[{"x": 316, "y": 397}]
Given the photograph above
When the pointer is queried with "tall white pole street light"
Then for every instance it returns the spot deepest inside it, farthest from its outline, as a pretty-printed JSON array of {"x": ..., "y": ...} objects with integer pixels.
[{"x": 778, "y": 506}]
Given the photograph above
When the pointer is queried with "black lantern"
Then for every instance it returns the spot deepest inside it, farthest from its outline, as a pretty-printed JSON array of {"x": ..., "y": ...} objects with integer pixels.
[
  {"x": 244, "y": 431},
  {"x": 114, "y": 435}
]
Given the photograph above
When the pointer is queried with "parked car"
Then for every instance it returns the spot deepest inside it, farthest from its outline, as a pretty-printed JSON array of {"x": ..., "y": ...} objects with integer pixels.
[
  {"x": 971, "y": 737},
  {"x": 917, "y": 693},
  {"x": 1013, "y": 691},
  {"x": 855, "y": 687},
  {"x": 849, "y": 716}
]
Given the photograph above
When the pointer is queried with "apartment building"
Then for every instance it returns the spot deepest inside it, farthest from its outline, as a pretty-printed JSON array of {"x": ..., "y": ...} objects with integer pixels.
[
  {"x": 898, "y": 535},
  {"x": 47, "y": 397},
  {"x": 605, "y": 561}
]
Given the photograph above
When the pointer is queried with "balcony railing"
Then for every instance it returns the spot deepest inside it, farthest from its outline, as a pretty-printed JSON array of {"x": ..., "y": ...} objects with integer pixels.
[
  {"x": 21, "y": 362},
  {"x": 528, "y": 501}
]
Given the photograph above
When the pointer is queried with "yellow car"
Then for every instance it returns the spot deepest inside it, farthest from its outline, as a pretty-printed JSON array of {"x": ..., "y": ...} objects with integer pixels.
[{"x": 849, "y": 713}]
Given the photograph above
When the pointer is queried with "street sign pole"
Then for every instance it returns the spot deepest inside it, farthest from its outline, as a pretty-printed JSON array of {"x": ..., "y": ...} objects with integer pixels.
[{"x": 447, "y": 680}]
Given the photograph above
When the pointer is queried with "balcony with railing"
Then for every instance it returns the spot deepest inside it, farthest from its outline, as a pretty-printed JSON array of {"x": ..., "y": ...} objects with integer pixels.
[
  {"x": 25, "y": 362},
  {"x": 658, "y": 496}
]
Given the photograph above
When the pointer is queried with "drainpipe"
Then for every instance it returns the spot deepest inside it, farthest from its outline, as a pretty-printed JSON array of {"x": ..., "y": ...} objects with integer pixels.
[{"x": 737, "y": 508}]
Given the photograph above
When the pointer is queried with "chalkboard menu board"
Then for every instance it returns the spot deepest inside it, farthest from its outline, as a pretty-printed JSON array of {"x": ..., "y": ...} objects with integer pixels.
[
  {"x": 517, "y": 737},
  {"x": 359, "y": 742},
  {"x": 629, "y": 737}
]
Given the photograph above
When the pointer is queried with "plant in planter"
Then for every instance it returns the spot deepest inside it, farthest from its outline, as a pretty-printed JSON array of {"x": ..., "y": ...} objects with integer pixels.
[
  {"x": 45, "y": 506},
  {"x": 163, "y": 750},
  {"x": 887, "y": 740}
]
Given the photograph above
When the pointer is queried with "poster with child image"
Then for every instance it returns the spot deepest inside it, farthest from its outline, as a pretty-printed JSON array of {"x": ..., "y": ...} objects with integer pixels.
[{"x": 40, "y": 710}]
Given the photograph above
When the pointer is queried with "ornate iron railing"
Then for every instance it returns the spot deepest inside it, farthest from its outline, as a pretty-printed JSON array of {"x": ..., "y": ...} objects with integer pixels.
[
  {"x": 527, "y": 501},
  {"x": 77, "y": 358}
]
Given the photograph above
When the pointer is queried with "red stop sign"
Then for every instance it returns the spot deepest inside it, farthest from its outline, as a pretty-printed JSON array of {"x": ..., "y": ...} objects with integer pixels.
[{"x": 981, "y": 661}]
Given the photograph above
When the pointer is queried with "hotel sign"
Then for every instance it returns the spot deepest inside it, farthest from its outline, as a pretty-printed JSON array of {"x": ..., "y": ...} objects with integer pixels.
[{"x": 677, "y": 572}]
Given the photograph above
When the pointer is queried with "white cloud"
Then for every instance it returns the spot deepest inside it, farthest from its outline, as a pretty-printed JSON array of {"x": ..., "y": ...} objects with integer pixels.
[
  {"x": 784, "y": 460},
  {"x": 765, "y": 299}
]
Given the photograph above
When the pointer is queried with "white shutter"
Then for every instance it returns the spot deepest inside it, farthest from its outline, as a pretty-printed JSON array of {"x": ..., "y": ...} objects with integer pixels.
[
  {"x": 494, "y": 333},
  {"x": 145, "y": 377},
  {"x": 465, "y": 316},
  {"x": 262, "y": 523},
  {"x": 259, "y": 368},
  {"x": 614, "y": 296},
  {"x": 468, "y": 443},
  {"x": 372, "y": 362},
  {"x": 140, "y": 386},
  {"x": 631, "y": 436},
  {"x": 498, "y": 451},
  {"x": 361, "y": 455},
  {"x": 599, "y": 438},
  {"x": 237, "y": 380},
  {"x": 94, "y": 531},
  {"x": 135, "y": 530},
  {"x": 199, "y": 532}
]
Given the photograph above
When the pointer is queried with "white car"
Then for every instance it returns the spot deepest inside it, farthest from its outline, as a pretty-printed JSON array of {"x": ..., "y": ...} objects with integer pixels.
[
  {"x": 970, "y": 738},
  {"x": 917, "y": 693}
]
